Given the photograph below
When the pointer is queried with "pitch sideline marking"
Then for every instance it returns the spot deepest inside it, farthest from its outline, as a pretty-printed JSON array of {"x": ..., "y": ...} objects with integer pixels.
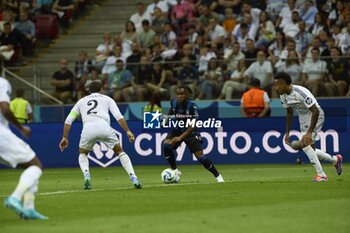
[{"x": 117, "y": 188}]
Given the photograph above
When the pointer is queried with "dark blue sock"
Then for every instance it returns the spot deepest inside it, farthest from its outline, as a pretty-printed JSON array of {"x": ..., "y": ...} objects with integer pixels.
[
  {"x": 169, "y": 156},
  {"x": 208, "y": 165}
]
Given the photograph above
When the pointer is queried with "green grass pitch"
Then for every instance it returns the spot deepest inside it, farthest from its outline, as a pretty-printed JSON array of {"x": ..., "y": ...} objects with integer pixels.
[{"x": 255, "y": 198}]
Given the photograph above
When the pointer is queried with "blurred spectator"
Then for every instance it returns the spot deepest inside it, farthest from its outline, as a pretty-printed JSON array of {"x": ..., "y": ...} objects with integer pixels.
[
  {"x": 8, "y": 42},
  {"x": 276, "y": 48},
  {"x": 315, "y": 43},
  {"x": 314, "y": 72},
  {"x": 62, "y": 80},
  {"x": 110, "y": 66},
  {"x": 302, "y": 39},
  {"x": 205, "y": 56},
  {"x": 206, "y": 14},
  {"x": 82, "y": 70},
  {"x": 255, "y": 102},
  {"x": 274, "y": 7},
  {"x": 339, "y": 74},
  {"x": 192, "y": 34},
  {"x": 138, "y": 90},
  {"x": 233, "y": 57},
  {"x": 308, "y": 13},
  {"x": 134, "y": 58},
  {"x": 344, "y": 41},
  {"x": 27, "y": 38},
  {"x": 291, "y": 46},
  {"x": 293, "y": 67},
  {"x": 236, "y": 84},
  {"x": 240, "y": 34},
  {"x": 158, "y": 21},
  {"x": 168, "y": 37},
  {"x": 262, "y": 70},
  {"x": 145, "y": 37},
  {"x": 94, "y": 75},
  {"x": 252, "y": 29},
  {"x": 254, "y": 12},
  {"x": 285, "y": 15},
  {"x": 140, "y": 15},
  {"x": 215, "y": 32},
  {"x": 64, "y": 10},
  {"x": 21, "y": 107},
  {"x": 41, "y": 7},
  {"x": 291, "y": 29},
  {"x": 319, "y": 25},
  {"x": 125, "y": 44},
  {"x": 129, "y": 34},
  {"x": 251, "y": 52},
  {"x": 117, "y": 81},
  {"x": 188, "y": 75},
  {"x": 266, "y": 32},
  {"x": 160, "y": 4},
  {"x": 181, "y": 12},
  {"x": 336, "y": 16},
  {"x": 210, "y": 87},
  {"x": 7, "y": 17},
  {"x": 104, "y": 50},
  {"x": 230, "y": 22},
  {"x": 157, "y": 83},
  {"x": 326, "y": 54},
  {"x": 154, "y": 104},
  {"x": 11, "y": 5}
]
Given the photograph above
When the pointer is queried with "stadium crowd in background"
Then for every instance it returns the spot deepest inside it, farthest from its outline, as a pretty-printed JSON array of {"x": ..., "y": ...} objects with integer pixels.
[
  {"x": 19, "y": 39},
  {"x": 217, "y": 47}
]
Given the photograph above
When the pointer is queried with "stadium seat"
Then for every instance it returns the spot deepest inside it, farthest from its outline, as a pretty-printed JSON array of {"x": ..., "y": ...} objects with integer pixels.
[{"x": 46, "y": 27}]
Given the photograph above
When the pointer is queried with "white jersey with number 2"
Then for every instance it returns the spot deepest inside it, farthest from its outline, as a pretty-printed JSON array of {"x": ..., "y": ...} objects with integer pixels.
[{"x": 96, "y": 107}]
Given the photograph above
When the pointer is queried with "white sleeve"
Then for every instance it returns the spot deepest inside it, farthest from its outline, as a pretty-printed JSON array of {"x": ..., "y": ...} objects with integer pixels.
[
  {"x": 29, "y": 109},
  {"x": 113, "y": 108},
  {"x": 4, "y": 93},
  {"x": 250, "y": 70},
  {"x": 74, "y": 113},
  {"x": 308, "y": 101},
  {"x": 266, "y": 97}
]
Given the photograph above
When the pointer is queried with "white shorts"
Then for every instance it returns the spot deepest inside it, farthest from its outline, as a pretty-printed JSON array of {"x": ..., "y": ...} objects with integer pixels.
[
  {"x": 13, "y": 150},
  {"x": 97, "y": 132},
  {"x": 305, "y": 124}
]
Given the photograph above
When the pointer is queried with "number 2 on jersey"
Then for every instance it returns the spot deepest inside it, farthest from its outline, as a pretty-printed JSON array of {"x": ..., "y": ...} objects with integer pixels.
[{"x": 94, "y": 104}]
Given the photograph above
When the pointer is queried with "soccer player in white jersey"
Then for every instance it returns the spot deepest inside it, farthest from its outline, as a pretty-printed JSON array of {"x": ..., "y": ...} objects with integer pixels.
[
  {"x": 94, "y": 110},
  {"x": 15, "y": 152},
  {"x": 311, "y": 119}
]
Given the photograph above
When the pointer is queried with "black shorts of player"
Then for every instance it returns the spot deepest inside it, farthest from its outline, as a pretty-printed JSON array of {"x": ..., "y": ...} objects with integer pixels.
[{"x": 193, "y": 141}]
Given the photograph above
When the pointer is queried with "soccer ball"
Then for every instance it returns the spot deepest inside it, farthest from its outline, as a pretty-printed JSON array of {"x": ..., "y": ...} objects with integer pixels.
[{"x": 169, "y": 176}]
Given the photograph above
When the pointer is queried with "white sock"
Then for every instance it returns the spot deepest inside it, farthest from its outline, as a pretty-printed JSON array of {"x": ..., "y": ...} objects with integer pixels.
[
  {"x": 84, "y": 165},
  {"x": 325, "y": 156},
  {"x": 28, "y": 178},
  {"x": 127, "y": 165},
  {"x": 29, "y": 196},
  {"x": 309, "y": 151}
]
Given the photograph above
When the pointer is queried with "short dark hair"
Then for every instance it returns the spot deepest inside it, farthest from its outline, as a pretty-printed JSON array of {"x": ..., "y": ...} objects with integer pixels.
[
  {"x": 145, "y": 22},
  {"x": 187, "y": 89},
  {"x": 95, "y": 86},
  {"x": 285, "y": 76},
  {"x": 19, "y": 92},
  {"x": 254, "y": 82}
]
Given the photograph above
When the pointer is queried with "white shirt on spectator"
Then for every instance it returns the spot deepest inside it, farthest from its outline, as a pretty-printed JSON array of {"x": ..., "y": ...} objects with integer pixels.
[
  {"x": 252, "y": 30},
  {"x": 255, "y": 13},
  {"x": 255, "y": 70},
  {"x": 110, "y": 66},
  {"x": 162, "y": 5},
  {"x": 102, "y": 48},
  {"x": 344, "y": 42},
  {"x": 137, "y": 20},
  {"x": 204, "y": 60},
  {"x": 217, "y": 32},
  {"x": 315, "y": 70},
  {"x": 286, "y": 15},
  {"x": 291, "y": 29},
  {"x": 294, "y": 70}
]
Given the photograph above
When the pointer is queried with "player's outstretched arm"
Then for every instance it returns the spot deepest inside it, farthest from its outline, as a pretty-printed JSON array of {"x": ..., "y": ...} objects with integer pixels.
[
  {"x": 124, "y": 125},
  {"x": 6, "y": 111}
]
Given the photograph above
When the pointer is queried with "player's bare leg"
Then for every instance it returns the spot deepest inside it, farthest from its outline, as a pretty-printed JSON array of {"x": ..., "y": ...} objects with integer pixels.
[
  {"x": 208, "y": 164},
  {"x": 26, "y": 189},
  {"x": 127, "y": 165},
  {"x": 84, "y": 166}
]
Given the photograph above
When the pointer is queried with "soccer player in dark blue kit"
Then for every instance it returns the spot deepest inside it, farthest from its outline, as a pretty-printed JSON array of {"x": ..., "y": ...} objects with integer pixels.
[{"x": 182, "y": 108}]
